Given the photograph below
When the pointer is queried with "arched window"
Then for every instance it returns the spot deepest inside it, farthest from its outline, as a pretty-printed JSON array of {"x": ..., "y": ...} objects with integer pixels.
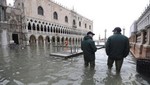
[
  {"x": 33, "y": 26},
  {"x": 90, "y": 27},
  {"x": 55, "y": 16},
  {"x": 48, "y": 29},
  {"x": 40, "y": 10},
  {"x": 44, "y": 28},
  {"x": 51, "y": 29},
  {"x": 29, "y": 26},
  {"x": 54, "y": 29},
  {"x": 79, "y": 23},
  {"x": 41, "y": 27},
  {"x": 85, "y": 25},
  {"x": 74, "y": 22},
  {"x": 38, "y": 29},
  {"x": 66, "y": 19}
]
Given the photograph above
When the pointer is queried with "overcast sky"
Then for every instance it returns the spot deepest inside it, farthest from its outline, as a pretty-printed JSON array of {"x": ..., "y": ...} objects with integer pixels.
[{"x": 107, "y": 14}]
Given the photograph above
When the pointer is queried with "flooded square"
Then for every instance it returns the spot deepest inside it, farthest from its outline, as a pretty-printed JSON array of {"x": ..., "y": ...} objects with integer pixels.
[{"x": 33, "y": 65}]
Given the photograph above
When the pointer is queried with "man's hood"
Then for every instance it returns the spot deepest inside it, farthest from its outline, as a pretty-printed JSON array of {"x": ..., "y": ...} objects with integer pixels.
[{"x": 87, "y": 37}]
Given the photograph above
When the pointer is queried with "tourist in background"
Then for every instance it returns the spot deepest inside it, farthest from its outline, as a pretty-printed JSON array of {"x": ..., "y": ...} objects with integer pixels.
[
  {"x": 89, "y": 49},
  {"x": 117, "y": 48}
]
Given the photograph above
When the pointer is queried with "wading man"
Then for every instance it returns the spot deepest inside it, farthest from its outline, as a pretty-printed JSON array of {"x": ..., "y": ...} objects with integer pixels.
[
  {"x": 88, "y": 47},
  {"x": 117, "y": 48}
]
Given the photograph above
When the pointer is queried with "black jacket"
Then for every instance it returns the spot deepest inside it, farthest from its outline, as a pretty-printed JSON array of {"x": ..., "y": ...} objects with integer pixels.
[
  {"x": 88, "y": 47},
  {"x": 117, "y": 46}
]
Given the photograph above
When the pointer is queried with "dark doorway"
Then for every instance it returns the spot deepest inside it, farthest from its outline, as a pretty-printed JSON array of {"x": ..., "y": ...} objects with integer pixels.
[{"x": 15, "y": 38}]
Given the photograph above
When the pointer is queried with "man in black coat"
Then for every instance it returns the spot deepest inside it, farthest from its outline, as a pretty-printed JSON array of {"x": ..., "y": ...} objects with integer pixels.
[
  {"x": 88, "y": 47},
  {"x": 117, "y": 48}
]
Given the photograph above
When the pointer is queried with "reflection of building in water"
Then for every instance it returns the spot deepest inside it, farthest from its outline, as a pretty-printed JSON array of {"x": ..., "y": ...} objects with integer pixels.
[
  {"x": 88, "y": 77},
  {"x": 43, "y": 22}
]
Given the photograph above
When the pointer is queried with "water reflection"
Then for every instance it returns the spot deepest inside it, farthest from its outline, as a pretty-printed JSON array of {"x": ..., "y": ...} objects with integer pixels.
[
  {"x": 5, "y": 51},
  {"x": 112, "y": 79},
  {"x": 33, "y": 66},
  {"x": 88, "y": 77},
  {"x": 29, "y": 51},
  {"x": 5, "y": 54}
]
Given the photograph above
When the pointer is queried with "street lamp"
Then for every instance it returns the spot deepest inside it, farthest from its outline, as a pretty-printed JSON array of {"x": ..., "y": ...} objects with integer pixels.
[
  {"x": 123, "y": 31},
  {"x": 105, "y": 35}
]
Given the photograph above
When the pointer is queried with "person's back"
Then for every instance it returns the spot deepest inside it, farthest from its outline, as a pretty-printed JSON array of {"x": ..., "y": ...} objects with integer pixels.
[
  {"x": 88, "y": 47},
  {"x": 117, "y": 48}
]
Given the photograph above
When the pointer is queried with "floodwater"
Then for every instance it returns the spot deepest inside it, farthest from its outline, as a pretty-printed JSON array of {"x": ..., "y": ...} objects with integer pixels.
[{"x": 34, "y": 66}]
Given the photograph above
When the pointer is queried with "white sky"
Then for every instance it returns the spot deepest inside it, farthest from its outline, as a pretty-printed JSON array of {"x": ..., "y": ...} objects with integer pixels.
[{"x": 107, "y": 14}]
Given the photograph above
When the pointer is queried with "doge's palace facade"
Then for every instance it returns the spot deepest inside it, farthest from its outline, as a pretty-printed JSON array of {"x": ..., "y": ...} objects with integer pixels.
[{"x": 44, "y": 22}]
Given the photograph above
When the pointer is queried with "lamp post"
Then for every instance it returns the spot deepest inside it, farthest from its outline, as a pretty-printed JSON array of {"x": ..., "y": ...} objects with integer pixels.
[
  {"x": 123, "y": 31},
  {"x": 105, "y": 36}
]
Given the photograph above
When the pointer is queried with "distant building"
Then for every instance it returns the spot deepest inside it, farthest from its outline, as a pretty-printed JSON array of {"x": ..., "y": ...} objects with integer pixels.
[
  {"x": 47, "y": 22},
  {"x": 43, "y": 22},
  {"x": 10, "y": 23},
  {"x": 133, "y": 28},
  {"x": 140, "y": 35},
  {"x": 2, "y": 22}
]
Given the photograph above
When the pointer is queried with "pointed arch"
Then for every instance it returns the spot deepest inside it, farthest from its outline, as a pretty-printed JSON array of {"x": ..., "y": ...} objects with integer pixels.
[
  {"x": 29, "y": 26},
  {"x": 32, "y": 40},
  {"x": 40, "y": 40},
  {"x": 33, "y": 26}
]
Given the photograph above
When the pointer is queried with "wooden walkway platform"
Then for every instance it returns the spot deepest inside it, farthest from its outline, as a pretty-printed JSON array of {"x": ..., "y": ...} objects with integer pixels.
[{"x": 68, "y": 54}]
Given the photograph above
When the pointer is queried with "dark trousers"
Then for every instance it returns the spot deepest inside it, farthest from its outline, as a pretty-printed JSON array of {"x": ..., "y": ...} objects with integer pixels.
[
  {"x": 91, "y": 63},
  {"x": 118, "y": 64}
]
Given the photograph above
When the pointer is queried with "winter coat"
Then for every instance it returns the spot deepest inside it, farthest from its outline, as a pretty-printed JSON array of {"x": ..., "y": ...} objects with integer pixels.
[
  {"x": 117, "y": 46},
  {"x": 88, "y": 47}
]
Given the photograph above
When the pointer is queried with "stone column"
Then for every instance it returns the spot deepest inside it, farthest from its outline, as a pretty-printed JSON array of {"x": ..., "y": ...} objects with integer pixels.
[
  {"x": 138, "y": 46},
  {"x": 37, "y": 42},
  {"x": 148, "y": 36},
  {"x": 27, "y": 39},
  {"x": 55, "y": 41},
  {"x": 146, "y": 46},
  {"x": 142, "y": 37},
  {"x": 0, "y": 13},
  {"x": 4, "y": 37},
  {"x": 44, "y": 42},
  {"x": 60, "y": 42}
]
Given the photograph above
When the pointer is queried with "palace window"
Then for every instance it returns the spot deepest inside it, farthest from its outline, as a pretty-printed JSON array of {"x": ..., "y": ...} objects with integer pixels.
[
  {"x": 40, "y": 10},
  {"x": 55, "y": 15},
  {"x": 38, "y": 29},
  {"x": 79, "y": 23},
  {"x": 90, "y": 27},
  {"x": 41, "y": 27},
  {"x": 48, "y": 29},
  {"x": 74, "y": 22},
  {"x": 29, "y": 26},
  {"x": 85, "y": 25},
  {"x": 44, "y": 28},
  {"x": 33, "y": 26},
  {"x": 66, "y": 19}
]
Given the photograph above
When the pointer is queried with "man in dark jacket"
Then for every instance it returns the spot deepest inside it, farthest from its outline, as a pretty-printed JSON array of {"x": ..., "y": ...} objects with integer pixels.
[
  {"x": 117, "y": 48},
  {"x": 89, "y": 49}
]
